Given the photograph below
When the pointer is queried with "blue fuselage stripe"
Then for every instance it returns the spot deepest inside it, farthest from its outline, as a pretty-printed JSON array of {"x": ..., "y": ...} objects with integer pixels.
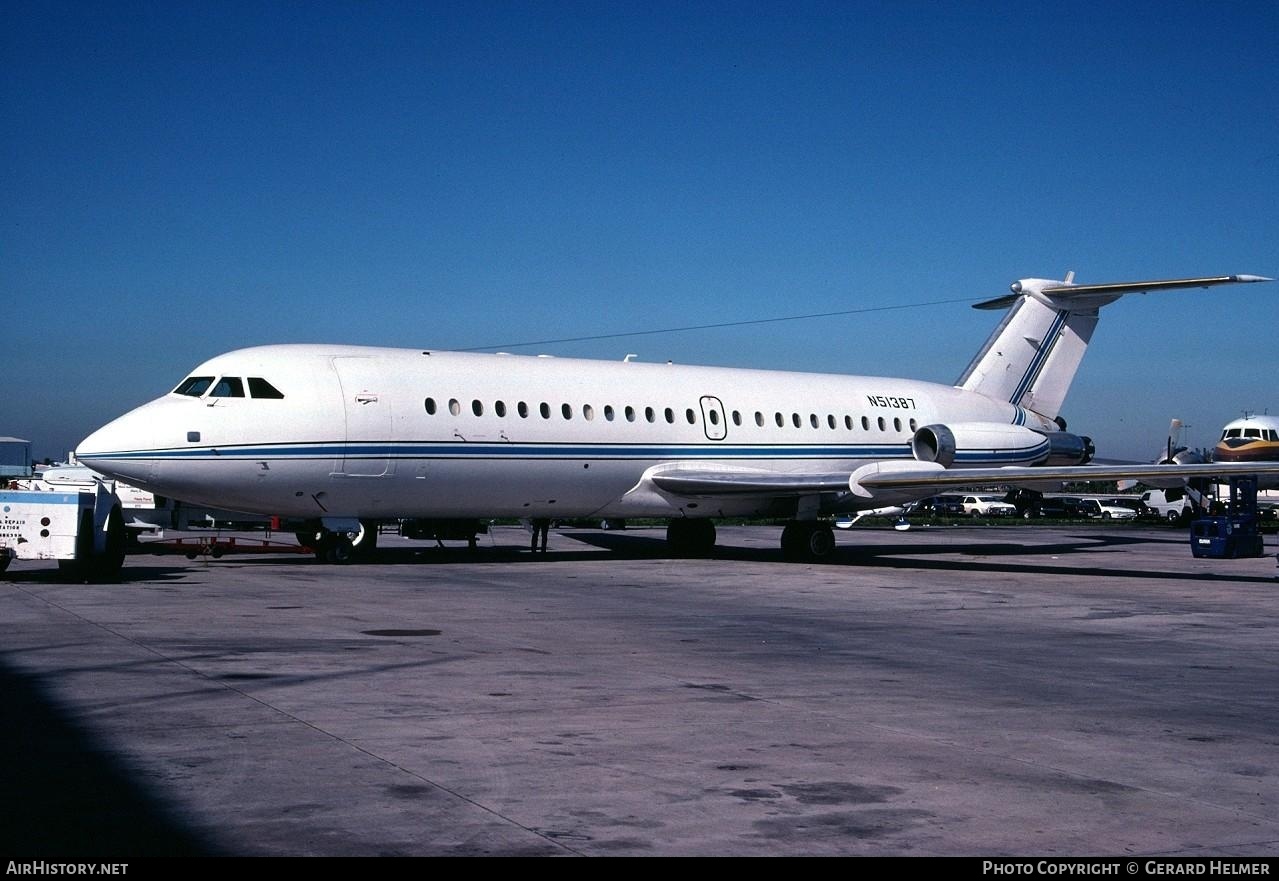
[
  {"x": 1037, "y": 363},
  {"x": 492, "y": 451}
]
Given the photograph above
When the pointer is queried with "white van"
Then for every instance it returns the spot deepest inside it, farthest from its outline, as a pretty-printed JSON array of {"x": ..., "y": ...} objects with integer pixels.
[{"x": 1172, "y": 504}]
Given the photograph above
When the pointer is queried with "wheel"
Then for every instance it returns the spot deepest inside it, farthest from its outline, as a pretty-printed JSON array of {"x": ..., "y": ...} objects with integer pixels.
[
  {"x": 337, "y": 549},
  {"x": 1105, "y": 515},
  {"x": 804, "y": 541},
  {"x": 974, "y": 514},
  {"x": 792, "y": 541},
  {"x": 5, "y": 559},
  {"x": 364, "y": 541},
  {"x": 107, "y": 565},
  {"x": 306, "y": 538},
  {"x": 1174, "y": 517},
  {"x": 820, "y": 542}
]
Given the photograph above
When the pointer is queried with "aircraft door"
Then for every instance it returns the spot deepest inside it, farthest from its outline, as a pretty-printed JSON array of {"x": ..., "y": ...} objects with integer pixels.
[
  {"x": 368, "y": 418},
  {"x": 713, "y": 421}
]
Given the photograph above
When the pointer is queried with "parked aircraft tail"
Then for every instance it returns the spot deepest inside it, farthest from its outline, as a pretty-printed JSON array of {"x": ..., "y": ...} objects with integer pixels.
[{"x": 1033, "y": 354}]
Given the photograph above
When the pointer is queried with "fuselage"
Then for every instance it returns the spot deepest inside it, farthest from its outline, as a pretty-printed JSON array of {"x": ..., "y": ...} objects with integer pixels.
[{"x": 340, "y": 431}]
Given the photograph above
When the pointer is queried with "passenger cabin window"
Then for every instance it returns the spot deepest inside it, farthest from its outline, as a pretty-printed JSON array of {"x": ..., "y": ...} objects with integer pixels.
[
  {"x": 430, "y": 406},
  {"x": 194, "y": 386},
  {"x": 228, "y": 387},
  {"x": 260, "y": 388}
]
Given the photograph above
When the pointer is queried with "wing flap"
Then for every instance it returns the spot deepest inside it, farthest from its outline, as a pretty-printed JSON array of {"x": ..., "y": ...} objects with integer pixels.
[{"x": 707, "y": 483}]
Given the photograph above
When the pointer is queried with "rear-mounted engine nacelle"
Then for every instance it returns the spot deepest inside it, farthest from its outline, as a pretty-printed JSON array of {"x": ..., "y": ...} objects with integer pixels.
[{"x": 977, "y": 444}]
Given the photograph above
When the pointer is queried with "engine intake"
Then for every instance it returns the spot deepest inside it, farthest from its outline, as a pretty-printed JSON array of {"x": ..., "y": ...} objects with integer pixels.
[{"x": 985, "y": 444}]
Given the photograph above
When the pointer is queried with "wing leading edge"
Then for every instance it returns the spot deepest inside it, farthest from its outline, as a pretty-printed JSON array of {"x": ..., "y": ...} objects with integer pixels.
[{"x": 923, "y": 478}]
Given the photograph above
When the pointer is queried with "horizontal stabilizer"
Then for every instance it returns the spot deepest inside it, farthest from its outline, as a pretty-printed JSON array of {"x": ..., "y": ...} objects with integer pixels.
[{"x": 1066, "y": 292}]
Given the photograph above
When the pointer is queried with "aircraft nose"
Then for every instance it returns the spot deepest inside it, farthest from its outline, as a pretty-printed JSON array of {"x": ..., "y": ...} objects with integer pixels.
[{"x": 121, "y": 448}]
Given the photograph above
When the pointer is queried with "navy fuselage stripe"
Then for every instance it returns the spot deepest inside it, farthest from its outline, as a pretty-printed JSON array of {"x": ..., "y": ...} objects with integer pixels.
[
  {"x": 490, "y": 451},
  {"x": 1037, "y": 363}
]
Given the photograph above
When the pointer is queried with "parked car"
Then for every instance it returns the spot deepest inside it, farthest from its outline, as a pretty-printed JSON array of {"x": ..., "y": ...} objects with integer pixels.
[
  {"x": 1101, "y": 509},
  {"x": 988, "y": 506},
  {"x": 941, "y": 506},
  {"x": 1058, "y": 507}
]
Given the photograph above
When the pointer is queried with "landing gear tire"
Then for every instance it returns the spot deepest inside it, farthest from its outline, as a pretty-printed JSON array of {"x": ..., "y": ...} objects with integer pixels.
[
  {"x": 107, "y": 565},
  {"x": 807, "y": 542},
  {"x": 690, "y": 538},
  {"x": 340, "y": 547},
  {"x": 364, "y": 542},
  {"x": 337, "y": 549}
]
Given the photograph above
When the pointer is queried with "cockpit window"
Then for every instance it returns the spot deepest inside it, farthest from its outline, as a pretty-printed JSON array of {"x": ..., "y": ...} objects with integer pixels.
[
  {"x": 260, "y": 388},
  {"x": 194, "y": 386},
  {"x": 228, "y": 387}
]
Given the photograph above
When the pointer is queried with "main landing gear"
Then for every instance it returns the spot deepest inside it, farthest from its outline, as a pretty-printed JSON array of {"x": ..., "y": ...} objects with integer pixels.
[
  {"x": 807, "y": 541},
  {"x": 340, "y": 546},
  {"x": 803, "y": 541}
]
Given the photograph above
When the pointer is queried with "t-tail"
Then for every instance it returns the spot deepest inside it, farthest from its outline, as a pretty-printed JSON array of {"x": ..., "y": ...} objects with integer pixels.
[{"x": 1031, "y": 358}]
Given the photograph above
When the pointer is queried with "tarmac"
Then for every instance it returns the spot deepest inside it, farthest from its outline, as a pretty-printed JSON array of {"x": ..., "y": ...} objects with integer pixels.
[{"x": 947, "y": 690}]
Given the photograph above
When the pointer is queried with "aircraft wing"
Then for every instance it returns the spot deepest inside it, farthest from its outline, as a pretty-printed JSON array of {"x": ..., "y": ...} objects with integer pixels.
[
  {"x": 887, "y": 476},
  {"x": 924, "y": 478}
]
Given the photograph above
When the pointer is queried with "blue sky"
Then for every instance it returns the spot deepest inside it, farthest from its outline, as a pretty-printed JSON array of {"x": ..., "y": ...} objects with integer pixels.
[{"x": 186, "y": 178}]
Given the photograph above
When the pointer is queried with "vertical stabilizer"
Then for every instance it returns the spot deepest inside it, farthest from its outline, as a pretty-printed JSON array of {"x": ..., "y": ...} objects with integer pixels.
[{"x": 1031, "y": 358}]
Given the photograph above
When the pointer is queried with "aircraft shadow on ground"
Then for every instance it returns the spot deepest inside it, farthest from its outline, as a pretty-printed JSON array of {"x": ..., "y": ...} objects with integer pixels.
[
  {"x": 860, "y": 548},
  {"x": 68, "y": 796}
]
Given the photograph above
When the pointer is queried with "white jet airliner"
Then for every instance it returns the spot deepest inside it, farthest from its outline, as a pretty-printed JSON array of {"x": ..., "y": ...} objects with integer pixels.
[{"x": 338, "y": 435}]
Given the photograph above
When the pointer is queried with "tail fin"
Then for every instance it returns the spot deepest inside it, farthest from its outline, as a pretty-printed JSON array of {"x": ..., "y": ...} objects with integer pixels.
[{"x": 1031, "y": 358}]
